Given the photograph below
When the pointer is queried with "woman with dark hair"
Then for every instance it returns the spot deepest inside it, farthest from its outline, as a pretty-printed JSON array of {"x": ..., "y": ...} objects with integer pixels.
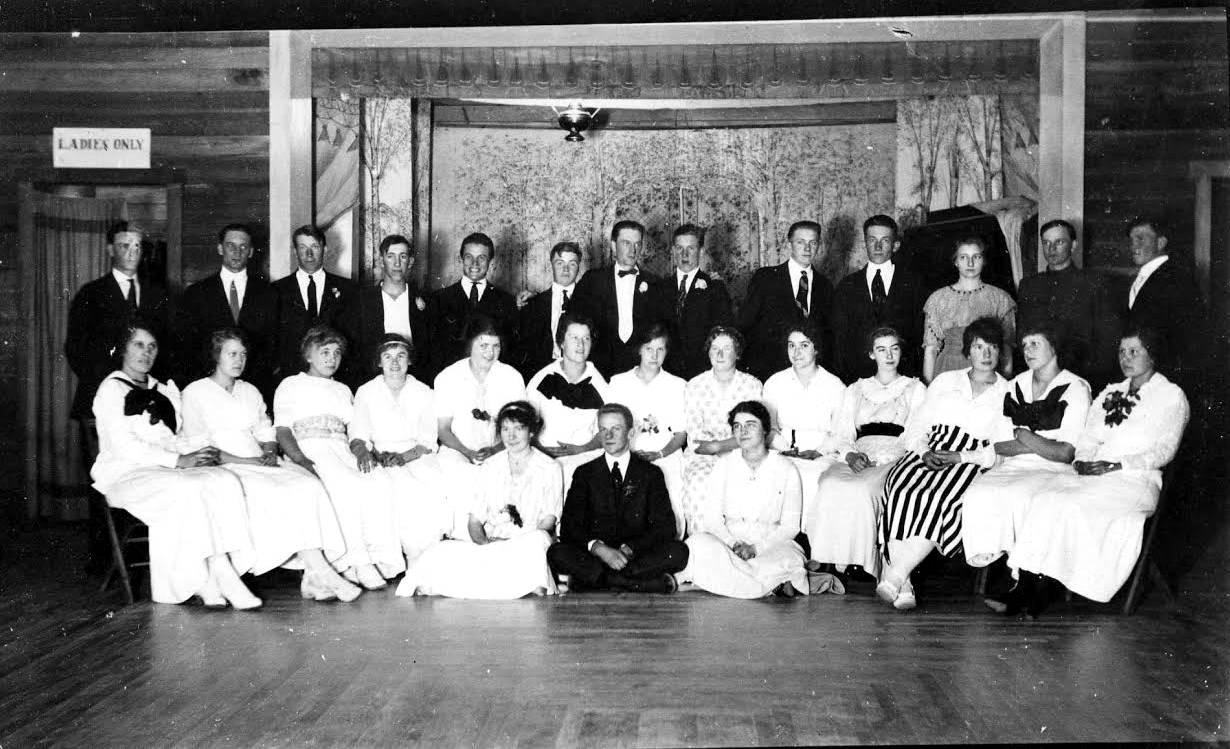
[
  {"x": 950, "y": 445},
  {"x": 748, "y": 549},
  {"x": 311, "y": 413},
  {"x": 707, "y": 400},
  {"x": 950, "y": 309},
  {"x": 1084, "y": 528},
  {"x": 511, "y": 524},
  {"x": 655, "y": 398},
  {"x": 200, "y": 541}
]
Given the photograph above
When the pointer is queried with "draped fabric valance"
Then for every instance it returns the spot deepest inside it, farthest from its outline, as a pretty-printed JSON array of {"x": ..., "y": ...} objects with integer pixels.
[{"x": 885, "y": 70}]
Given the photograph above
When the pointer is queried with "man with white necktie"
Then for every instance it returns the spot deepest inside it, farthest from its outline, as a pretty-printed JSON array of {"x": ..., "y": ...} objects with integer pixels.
[
  {"x": 540, "y": 316},
  {"x": 307, "y": 297}
]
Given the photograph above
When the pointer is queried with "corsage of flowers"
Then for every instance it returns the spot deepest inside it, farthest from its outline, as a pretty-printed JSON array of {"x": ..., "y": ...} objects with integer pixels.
[
  {"x": 480, "y": 415},
  {"x": 418, "y": 302},
  {"x": 1118, "y": 405},
  {"x": 643, "y": 287}
]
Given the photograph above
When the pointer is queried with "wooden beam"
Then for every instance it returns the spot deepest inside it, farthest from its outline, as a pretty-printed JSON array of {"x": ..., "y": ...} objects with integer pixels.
[
  {"x": 479, "y": 115},
  {"x": 1204, "y": 172},
  {"x": 1061, "y": 126},
  {"x": 423, "y": 112},
  {"x": 290, "y": 144}
]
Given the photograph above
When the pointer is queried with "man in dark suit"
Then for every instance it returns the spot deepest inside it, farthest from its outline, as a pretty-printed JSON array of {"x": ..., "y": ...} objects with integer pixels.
[
  {"x": 448, "y": 308},
  {"x": 307, "y": 297},
  {"x": 617, "y": 529},
  {"x": 701, "y": 302},
  {"x": 395, "y": 305},
  {"x": 540, "y": 315},
  {"x": 1164, "y": 296},
  {"x": 101, "y": 309},
  {"x": 781, "y": 295},
  {"x": 622, "y": 300},
  {"x": 881, "y": 293},
  {"x": 232, "y": 297}
]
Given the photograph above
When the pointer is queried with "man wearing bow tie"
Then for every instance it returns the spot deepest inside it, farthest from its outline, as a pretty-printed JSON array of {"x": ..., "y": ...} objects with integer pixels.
[
  {"x": 622, "y": 300},
  {"x": 539, "y": 318},
  {"x": 449, "y": 307},
  {"x": 701, "y": 301},
  {"x": 307, "y": 297}
]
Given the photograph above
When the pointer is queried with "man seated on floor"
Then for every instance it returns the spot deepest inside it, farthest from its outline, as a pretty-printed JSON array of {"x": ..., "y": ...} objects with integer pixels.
[{"x": 618, "y": 529}]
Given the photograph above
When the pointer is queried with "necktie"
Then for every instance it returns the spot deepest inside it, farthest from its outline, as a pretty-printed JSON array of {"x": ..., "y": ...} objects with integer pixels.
[
  {"x": 623, "y": 273},
  {"x": 801, "y": 297},
  {"x": 617, "y": 478},
  {"x": 878, "y": 294},
  {"x": 131, "y": 296},
  {"x": 473, "y": 295},
  {"x": 312, "y": 308},
  {"x": 683, "y": 295},
  {"x": 233, "y": 298},
  {"x": 563, "y": 307}
]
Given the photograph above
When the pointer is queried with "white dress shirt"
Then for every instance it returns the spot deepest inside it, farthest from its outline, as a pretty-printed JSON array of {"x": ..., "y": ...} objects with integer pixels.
[
  {"x": 620, "y": 460},
  {"x": 886, "y": 274},
  {"x": 302, "y": 278},
  {"x": 123, "y": 281},
  {"x": 796, "y": 271},
  {"x": 240, "y": 280},
  {"x": 397, "y": 313},
  {"x": 557, "y": 310},
  {"x": 625, "y": 292},
  {"x": 466, "y": 283},
  {"x": 1142, "y": 275},
  {"x": 680, "y": 277}
]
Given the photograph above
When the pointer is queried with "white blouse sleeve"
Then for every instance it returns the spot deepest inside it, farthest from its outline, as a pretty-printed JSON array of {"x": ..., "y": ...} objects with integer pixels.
[
  {"x": 844, "y": 429},
  {"x": 195, "y": 424},
  {"x": 1171, "y": 413},
  {"x": 917, "y": 431},
  {"x": 426, "y": 432},
  {"x": 715, "y": 519},
  {"x": 115, "y": 433},
  {"x": 1091, "y": 436},
  {"x": 792, "y": 506},
  {"x": 361, "y": 427},
  {"x": 1075, "y": 414},
  {"x": 262, "y": 427}
]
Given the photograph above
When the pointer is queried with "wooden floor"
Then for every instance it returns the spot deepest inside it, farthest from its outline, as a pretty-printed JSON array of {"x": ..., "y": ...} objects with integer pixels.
[{"x": 601, "y": 670}]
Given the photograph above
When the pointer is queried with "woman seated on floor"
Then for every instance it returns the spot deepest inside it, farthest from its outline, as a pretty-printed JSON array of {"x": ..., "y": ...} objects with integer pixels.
[
  {"x": 394, "y": 426},
  {"x": 311, "y": 412},
  {"x": 1044, "y": 415},
  {"x": 949, "y": 442},
  {"x": 200, "y": 540},
  {"x": 748, "y": 549},
  {"x": 518, "y": 502},
  {"x": 655, "y": 398},
  {"x": 1083, "y": 528},
  {"x": 868, "y": 430},
  {"x": 289, "y": 512},
  {"x": 568, "y": 393}
]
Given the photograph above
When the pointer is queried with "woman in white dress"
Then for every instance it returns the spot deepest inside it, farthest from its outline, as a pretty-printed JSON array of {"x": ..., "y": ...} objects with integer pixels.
[
  {"x": 311, "y": 412},
  {"x": 291, "y": 518},
  {"x": 511, "y": 525},
  {"x": 707, "y": 400},
  {"x": 1044, "y": 415},
  {"x": 867, "y": 436},
  {"x": 568, "y": 393},
  {"x": 394, "y": 426},
  {"x": 950, "y": 445},
  {"x": 655, "y": 398},
  {"x": 802, "y": 401},
  {"x": 748, "y": 548},
  {"x": 199, "y": 538},
  {"x": 1084, "y": 527}
]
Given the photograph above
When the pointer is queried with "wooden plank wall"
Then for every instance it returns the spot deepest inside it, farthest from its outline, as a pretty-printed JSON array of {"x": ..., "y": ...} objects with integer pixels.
[
  {"x": 203, "y": 95},
  {"x": 1156, "y": 98}
]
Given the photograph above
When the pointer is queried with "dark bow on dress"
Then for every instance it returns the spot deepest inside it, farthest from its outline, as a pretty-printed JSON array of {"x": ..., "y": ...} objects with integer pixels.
[
  {"x": 581, "y": 394},
  {"x": 149, "y": 400},
  {"x": 1038, "y": 416}
]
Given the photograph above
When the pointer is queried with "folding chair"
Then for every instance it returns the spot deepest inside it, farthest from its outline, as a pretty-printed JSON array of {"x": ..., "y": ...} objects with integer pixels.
[
  {"x": 127, "y": 533},
  {"x": 1145, "y": 564}
]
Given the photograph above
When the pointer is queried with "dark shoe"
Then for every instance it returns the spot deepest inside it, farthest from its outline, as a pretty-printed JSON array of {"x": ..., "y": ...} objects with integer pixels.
[
  {"x": 1041, "y": 597},
  {"x": 785, "y": 590},
  {"x": 1014, "y": 600}
]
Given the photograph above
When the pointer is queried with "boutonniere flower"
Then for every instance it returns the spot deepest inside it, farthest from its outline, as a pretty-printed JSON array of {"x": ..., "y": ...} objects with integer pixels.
[
  {"x": 418, "y": 302},
  {"x": 643, "y": 287},
  {"x": 513, "y": 515},
  {"x": 700, "y": 284},
  {"x": 649, "y": 425},
  {"x": 336, "y": 292},
  {"x": 1118, "y": 405},
  {"x": 480, "y": 415}
]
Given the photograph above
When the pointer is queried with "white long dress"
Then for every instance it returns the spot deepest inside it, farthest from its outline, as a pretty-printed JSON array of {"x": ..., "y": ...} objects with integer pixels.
[
  {"x": 317, "y": 410},
  {"x": 657, "y": 415},
  {"x": 1085, "y": 531},
  {"x": 288, "y": 508},
  {"x": 760, "y": 507},
  {"x": 803, "y": 417},
  {"x": 565, "y": 420},
  {"x": 843, "y": 528},
  {"x": 192, "y": 513},
  {"x": 509, "y": 568},
  {"x": 706, "y": 405},
  {"x": 401, "y": 421},
  {"x": 998, "y": 499}
]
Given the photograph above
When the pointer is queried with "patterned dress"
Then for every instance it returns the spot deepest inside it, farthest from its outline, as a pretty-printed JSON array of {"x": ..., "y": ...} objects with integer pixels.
[
  {"x": 706, "y": 405},
  {"x": 948, "y": 311}
]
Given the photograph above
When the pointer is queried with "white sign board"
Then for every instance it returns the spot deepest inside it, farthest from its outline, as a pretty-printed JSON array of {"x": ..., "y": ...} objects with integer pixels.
[{"x": 100, "y": 148}]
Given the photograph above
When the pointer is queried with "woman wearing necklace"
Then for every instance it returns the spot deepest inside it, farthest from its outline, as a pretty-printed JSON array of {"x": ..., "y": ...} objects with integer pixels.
[
  {"x": 292, "y": 520},
  {"x": 1045, "y": 413},
  {"x": 949, "y": 309},
  {"x": 950, "y": 445},
  {"x": 1084, "y": 528},
  {"x": 843, "y": 529},
  {"x": 199, "y": 537},
  {"x": 748, "y": 548},
  {"x": 655, "y": 398},
  {"x": 511, "y": 525}
]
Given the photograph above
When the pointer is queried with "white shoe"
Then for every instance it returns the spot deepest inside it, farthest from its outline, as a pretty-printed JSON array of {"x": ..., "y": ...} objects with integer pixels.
[
  {"x": 905, "y": 599},
  {"x": 890, "y": 586}
]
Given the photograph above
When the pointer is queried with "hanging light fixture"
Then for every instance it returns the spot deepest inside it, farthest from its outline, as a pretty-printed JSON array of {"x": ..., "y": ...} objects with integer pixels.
[{"x": 575, "y": 119}]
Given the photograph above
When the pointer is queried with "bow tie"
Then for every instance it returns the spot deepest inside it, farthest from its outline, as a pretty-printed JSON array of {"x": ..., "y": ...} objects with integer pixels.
[
  {"x": 141, "y": 400},
  {"x": 623, "y": 273},
  {"x": 1038, "y": 416},
  {"x": 573, "y": 395}
]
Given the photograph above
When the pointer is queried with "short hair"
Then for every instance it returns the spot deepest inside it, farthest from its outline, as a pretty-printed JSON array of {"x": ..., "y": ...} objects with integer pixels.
[
  {"x": 520, "y": 412},
  {"x": 1153, "y": 341},
  {"x": 652, "y": 332},
  {"x": 626, "y": 224},
  {"x": 309, "y": 230},
  {"x": 395, "y": 239},
  {"x": 1069, "y": 228},
  {"x": 884, "y": 331},
  {"x": 753, "y": 408},
  {"x": 566, "y": 246},
  {"x": 803, "y": 225},
  {"x": 882, "y": 220},
  {"x": 717, "y": 331},
  {"x": 1158, "y": 224},
  {"x": 391, "y": 341},
  {"x": 691, "y": 230},
  {"x": 121, "y": 226},
  {"x": 125, "y": 332},
  {"x": 988, "y": 329},
  {"x": 807, "y": 328},
  {"x": 968, "y": 239},
  {"x": 1055, "y": 335},
  {"x": 478, "y": 238},
  {"x": 234, "y": 227},
  {"x": 474, "y": 325},
  {"x": 616, "y": 408},
  {"x": 219, "y": 337},
  {"x": 320, "y": 335},
  {"x": 573, "y": 318}
]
